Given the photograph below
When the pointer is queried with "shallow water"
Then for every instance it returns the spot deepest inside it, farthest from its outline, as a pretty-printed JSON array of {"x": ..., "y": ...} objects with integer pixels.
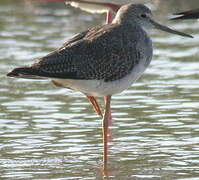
[{"x": 52, "y": 133}]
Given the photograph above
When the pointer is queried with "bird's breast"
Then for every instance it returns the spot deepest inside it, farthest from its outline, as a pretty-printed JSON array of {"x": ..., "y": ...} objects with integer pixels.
[{"x": 101, "y": 88}]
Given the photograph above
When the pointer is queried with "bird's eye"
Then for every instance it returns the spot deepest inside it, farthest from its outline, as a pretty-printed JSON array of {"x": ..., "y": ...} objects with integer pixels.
[{"x": 143, "y": 15}]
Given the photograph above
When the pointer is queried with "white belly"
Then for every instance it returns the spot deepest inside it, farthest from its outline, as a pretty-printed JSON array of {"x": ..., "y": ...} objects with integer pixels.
[{"x": 100, "y": 88}]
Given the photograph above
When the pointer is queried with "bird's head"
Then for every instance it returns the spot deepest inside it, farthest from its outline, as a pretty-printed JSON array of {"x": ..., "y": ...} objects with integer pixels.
[{"x": 141, "y": 15}]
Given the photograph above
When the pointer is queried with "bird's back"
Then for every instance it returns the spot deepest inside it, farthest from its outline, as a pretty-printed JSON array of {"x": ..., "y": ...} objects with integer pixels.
[{"x": 107, "y": 52}]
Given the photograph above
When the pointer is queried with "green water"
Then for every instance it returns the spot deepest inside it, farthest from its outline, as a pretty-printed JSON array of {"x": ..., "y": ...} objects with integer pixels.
[{"x": 52, "y": 133}]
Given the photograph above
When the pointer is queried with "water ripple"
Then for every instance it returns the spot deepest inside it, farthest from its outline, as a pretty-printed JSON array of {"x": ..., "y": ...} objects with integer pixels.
[{"x": 53, "y": 133}]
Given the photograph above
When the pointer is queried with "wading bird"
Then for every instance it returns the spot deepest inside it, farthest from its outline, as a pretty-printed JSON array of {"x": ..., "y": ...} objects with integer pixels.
[{"x": 103, "y": 60}]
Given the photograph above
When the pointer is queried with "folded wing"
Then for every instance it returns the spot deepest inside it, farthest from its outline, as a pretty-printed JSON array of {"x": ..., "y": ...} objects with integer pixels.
[{"x": 99, "y": 53}]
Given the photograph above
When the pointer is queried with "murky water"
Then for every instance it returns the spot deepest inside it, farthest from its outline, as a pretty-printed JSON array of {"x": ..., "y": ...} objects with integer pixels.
[{"x": 52, "y": 133}]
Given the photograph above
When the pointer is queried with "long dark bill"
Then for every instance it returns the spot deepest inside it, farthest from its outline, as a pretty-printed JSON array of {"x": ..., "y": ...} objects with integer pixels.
[{"x": 164, "y": 28}]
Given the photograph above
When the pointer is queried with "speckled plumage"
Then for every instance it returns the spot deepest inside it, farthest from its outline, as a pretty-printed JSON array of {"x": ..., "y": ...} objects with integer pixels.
[
  {"x": 107, "y": 52},
  {"x": 114, "y": 53}
]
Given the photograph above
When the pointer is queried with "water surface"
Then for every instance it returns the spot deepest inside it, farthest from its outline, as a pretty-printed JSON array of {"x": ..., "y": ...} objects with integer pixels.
[{"x": 52, "y": 133}]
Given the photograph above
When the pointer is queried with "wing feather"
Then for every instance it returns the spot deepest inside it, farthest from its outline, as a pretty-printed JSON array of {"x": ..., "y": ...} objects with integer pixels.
[{"x": 107, "y": 52}]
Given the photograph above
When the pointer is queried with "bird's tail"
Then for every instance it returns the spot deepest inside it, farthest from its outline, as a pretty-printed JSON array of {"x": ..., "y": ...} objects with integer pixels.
[{"x": 27, "y": 73}]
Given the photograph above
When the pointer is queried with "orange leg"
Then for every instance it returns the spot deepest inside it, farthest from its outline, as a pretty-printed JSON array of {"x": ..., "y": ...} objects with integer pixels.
[
  {"x": 110, "y": 114},
  {"x": 105, "y": 132},
  {"x": 90, "y": 98},
  {"x": 95, "y": 105},
  {"x": 107, "y": 116}
]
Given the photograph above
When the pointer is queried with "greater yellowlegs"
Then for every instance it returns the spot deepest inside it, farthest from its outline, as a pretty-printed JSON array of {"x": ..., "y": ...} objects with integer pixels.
[
  {"x": 191, "y": 14},
  {"x": 101, "y": 61}
]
